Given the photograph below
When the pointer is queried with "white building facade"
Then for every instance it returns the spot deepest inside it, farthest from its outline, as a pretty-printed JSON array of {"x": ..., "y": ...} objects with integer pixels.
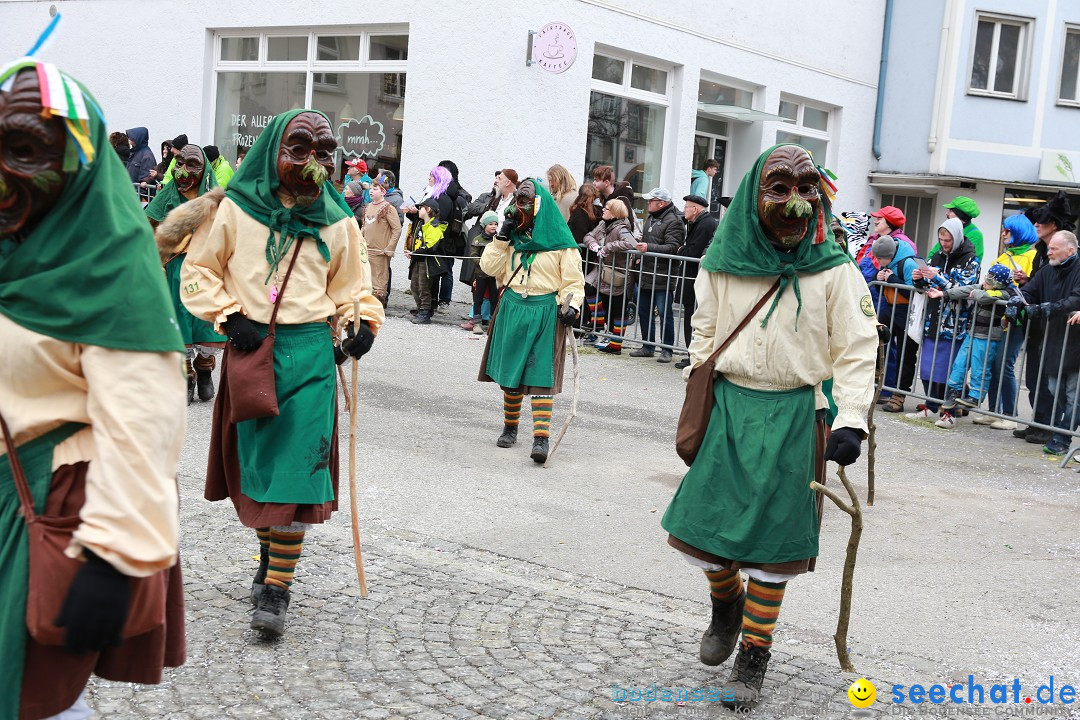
[
  {"x": 653, "y": 90},
  {"x": 981, "y": 99}
]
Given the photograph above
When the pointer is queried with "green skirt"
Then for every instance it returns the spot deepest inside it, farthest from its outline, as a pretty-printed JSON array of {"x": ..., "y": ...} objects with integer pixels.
[
  {"x": 286, "y": 458},
  {"x": 747, "y": 496},
  {"x": 36, "y": 457},
  {"x": 522, "y": 347},
  {"x": 193, "y": 330}
]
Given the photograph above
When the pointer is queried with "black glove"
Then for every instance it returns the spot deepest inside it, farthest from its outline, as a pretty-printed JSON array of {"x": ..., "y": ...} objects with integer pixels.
[
  {"x": 96, "y": 607},
  {"x": 242, "y": 332},
  {"x": 568, "y": 316},
  {"x": 1041, "y": 310},
  {"x": 508, "y": 226},
  {"x": 844, "y": 446},
  {"x": 357, "y": 345}
]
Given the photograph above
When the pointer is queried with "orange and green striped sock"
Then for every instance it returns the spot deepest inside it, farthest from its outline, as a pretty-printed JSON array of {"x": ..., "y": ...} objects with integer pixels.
[
  {"x": 724, "y": 585},
  {"x": 264, "y": 537},
  {"x": 541, "y": 415},
  {"x": 285, "y": 548},
  {"x": 512, "y": 407},
  {"x": 762, "y": 608}
]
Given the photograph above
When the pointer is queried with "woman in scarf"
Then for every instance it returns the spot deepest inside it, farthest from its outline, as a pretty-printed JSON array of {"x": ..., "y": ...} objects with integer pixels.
[
  {"x": 946, "y": 322},
  {"x": 536, "y": 261},
  {"x": 1018, "y": 237},
  {"x": 746, "y": 502},
  {"x": 93, "y": 399},
  {"x": 281, "y": 471},
  {"x": 192, "y": 178}
]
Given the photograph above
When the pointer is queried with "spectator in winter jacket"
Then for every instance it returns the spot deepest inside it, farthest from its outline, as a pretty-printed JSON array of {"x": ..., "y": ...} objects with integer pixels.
[
  {"x": 1053, "y": 216},
  {"x": 946, "y": 323},
  {"x": 223, "y": 171},
  {"x": 498, "y": 198},
  {"x": 607, "y": 283},
  {"x": 393, "y": 194},
  {"x": 583, "y": 216},
  {"x": 664, "y": 233},
  {"x": 483, "y": 285},
  {"x": 563, "y": 188},
  {"x": 1018, "y": 239},
  {"x": 700, "y": 228},
  {"x": 122, "y": 145},
  {"x": 178, "y": 144},
  {"x": 142, "y": 160},
  {"x": 981, "y": 344},
  {"x": 356, "y": 171},
  {"x": 897, "y": 262},
  {"x": 353, "y": 194},
  {"x": 424, "y": 267},
  {"x": 1052, "y": 296},
  {"x": 701, "y": 180}
]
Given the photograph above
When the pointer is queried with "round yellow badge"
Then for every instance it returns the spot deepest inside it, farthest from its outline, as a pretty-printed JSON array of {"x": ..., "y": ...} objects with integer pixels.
[
  {"x": 862, "y": 692},
  {"x": 867, "y": 306}
]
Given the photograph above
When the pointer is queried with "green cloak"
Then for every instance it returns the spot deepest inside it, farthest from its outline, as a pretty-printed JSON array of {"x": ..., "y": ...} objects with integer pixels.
[
  {"x": 169, "y": 196},
  {"x": 549, "y": 231},
  {"x": 740, "y": 246},
  {"x": 254, "y": 189},
  {"x": 89, "y": 272}
]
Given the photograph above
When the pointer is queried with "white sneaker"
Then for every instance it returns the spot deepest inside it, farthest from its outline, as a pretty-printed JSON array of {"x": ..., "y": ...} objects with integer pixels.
[
  {"x": 924, "y": 414},
  {"x": 946, "y": 421},
  {"x": 1003, "y": 425},
  {"x": 984, "y": 420}
]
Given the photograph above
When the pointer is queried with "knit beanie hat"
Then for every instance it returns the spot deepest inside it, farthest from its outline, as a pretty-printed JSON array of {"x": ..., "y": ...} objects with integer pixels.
[
  {"x": 489, "y": 217},
  {"x": 884, "y": 248},
  {"x": 212, "y": 153},
  {"x": 999, "y": 276},
  {"x": 179, "y": 142},
  {"x": 355, "y": 188}
]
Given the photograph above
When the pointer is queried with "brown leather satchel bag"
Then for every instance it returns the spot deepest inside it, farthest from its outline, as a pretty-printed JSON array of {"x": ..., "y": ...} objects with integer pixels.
[
  {"x": 252, "y": 383},
  {"x": 698, "y": 403},
  {"x": 52, "y": 572}
]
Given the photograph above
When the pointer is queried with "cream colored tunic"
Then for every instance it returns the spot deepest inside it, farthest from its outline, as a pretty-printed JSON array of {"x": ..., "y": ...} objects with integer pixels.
[
  {"x": 837, "y": 336},
  {"x": 554, "y": 271},
  {"x": 135, "y": 406},
  {"x": 226, "y": 267}
]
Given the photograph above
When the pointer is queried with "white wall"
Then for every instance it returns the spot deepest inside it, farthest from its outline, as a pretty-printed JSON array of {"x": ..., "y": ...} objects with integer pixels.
[{"x": 470, "y": 97}]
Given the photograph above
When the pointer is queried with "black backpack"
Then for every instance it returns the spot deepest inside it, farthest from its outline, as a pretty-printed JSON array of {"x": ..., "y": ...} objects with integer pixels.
[{"x": 454, "y": 241}]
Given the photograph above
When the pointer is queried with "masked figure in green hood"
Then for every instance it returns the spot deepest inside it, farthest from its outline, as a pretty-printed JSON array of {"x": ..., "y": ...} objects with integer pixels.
[
  {"x": 745, "y": 504},
  {"x": 278, "y": 212},
  {"x": 92, "y": 394},
  {"x": 536, "y": 260},
  {"x": 174, "y": 219}
]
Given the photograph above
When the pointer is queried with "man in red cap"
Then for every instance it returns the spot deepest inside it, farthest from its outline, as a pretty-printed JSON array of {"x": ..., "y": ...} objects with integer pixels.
[{"x": 357, "y": 172}]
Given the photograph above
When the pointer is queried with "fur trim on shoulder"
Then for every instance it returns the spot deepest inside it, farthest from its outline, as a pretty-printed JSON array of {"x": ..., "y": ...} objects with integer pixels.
[{"x": 175, "y": 230}]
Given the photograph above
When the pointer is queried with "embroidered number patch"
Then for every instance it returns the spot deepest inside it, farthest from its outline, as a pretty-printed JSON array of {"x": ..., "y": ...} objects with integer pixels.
[
  {"x": 867, "y": 306},
  {"x": 191, "y": 288}
]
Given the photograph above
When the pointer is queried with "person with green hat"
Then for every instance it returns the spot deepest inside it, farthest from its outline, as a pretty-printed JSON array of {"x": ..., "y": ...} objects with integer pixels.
[
  {"x": 280, "y": 212},
  {"x": 537, "y": 264},
  {"x": 746, "y": 502},
  {"x": 172, "y": 231},
  {"x": 965, "y": 210},
  {"x": 91, "y": 403}
]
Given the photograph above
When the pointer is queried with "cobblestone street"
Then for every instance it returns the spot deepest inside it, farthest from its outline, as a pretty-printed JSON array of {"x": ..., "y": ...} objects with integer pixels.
[{"x": 501, "y": 589}]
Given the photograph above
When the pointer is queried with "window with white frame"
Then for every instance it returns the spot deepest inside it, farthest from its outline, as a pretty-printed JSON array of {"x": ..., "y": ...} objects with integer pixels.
[
  {"x": 811, "y": 125},
  {"x": 1070, "y": 68},
  {"x": 999, "y": 56},
  {"x": 355, "y": 76},
  {"x": 627, "y": 117}
]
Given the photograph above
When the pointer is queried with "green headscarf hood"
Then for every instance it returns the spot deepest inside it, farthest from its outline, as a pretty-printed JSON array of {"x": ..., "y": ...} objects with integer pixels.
[
  {"x": 89, "y": 272},
  {"x": 549, "y": 230},
  {"x": 254, "y": 189},
  {"x": 168, "y": 197},
  {"x": 740, "y": 246}
]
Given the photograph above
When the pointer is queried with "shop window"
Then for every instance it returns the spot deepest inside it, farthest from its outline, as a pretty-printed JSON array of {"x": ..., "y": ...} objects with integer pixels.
[
  {"x": 999, "y": 56},
  {"x": 1070, "y": 68},
  {"x": 811, "y": 126},
  {"x": 364, "y": 103},
  {"x": 648, "y": 79}
]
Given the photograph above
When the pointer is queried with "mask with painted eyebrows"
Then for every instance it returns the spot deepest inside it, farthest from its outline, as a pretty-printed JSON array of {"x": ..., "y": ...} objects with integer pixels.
[
  {"x": 788, "y": 196},
  {"x": 31, "y": 157},
  {"x": 190, "y": 166},
  {"x": 306, "y": 156}
]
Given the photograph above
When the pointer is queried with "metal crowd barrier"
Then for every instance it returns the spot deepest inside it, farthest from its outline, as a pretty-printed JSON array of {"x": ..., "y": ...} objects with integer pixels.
[
  {"x": 145, "y": 191},
  {"x": 994, "y": 374}
]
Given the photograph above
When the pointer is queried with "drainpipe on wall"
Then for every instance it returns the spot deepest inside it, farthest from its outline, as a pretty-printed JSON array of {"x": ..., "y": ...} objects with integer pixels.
[
  {"x": 939, "y": 81},
  {"x": 880, "y": 108}
]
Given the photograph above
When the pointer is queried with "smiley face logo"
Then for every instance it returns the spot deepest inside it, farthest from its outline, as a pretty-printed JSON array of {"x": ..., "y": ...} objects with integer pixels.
[{"x": 862, "y": 693}]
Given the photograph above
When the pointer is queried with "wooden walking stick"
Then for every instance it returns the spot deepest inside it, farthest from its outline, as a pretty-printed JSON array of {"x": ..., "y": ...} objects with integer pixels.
[
  {"x": 571, "y": 339},
  {"x": 354, "y": 501},
  {"x": 855, "y": 511},
  {"x": 871, "y": 436}
]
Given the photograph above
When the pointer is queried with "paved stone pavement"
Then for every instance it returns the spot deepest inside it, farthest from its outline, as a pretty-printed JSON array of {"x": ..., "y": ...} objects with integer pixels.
[{"x": 501, "y": 589}]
